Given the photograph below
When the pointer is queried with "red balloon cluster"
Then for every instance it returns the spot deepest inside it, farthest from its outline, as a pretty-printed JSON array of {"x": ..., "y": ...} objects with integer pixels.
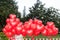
[
  {"x": 13, "y": 26},
  {"x": 30, "y": 28},
  {"x": 50, "y": 29},
  {"x": 33, "y": 27}
]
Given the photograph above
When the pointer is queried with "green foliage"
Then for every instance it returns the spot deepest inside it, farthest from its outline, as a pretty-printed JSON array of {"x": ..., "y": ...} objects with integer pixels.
[
  {"x": 2, "y": 36},
  {"x": 7, "y": 7}
]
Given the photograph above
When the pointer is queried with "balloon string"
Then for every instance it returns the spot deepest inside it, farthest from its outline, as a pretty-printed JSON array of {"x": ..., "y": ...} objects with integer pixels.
[
  {"x": 32, "y": 37},
  {"x": 50, "y": 38}
]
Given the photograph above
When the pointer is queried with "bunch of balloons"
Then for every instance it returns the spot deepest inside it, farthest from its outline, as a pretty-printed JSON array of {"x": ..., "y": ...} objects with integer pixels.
[
  {"x": 31, "y": 28},
  {"x": 50, "y": 29},
  {"x": 13, "y": 26}
]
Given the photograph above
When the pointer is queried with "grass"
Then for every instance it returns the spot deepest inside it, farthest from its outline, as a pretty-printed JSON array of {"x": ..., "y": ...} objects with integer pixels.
[{"x": 3, "y": 37}]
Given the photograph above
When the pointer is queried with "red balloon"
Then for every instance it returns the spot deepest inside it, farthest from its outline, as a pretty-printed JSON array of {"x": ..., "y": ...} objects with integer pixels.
[
  {"x": 40, "y": 27},
  {"x": 50, "y": 24},
  {"x": 18, "y": 30},
  {"x": 30, "y": 32},
  {"x": 17, "y": 20},
  {"x": 12, "y": 20},
  {"x": 55, "y": 31},
  {"x": 30, "y": 21},
  {"x": 8, "y": 20},
  {"x": 26, "y": 22},
  {"x": 50, "y": 31},
  {"x": 53, "y": 26},
  {"x": 20, "y": 24},
  {"x": 37, "y": 32},
  {"x": 13, "y": 31},
  {"x": 13, "y": 24},
  {"x": 46, "y": 27},
  {"x": 8, "y": 27},
  {"x": 33, "y": 26},
  {"x": 4, "y": 30},
  {"x": 35, "y": 20},
  {"x": 12, "y": 16},
  {"x": 24, "y": 32},
  {"x": 27, "y": 26},
  {"x": 44, "y": 32},
  {"x": 9, "y": 34},
  {"x": 39, "y": 22}
]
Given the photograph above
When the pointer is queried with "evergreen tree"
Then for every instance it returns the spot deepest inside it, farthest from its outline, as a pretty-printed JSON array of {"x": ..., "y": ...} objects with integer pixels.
[
  {"x": 37, "y": 10},
  {"x": 7, "y": 7},
  {"x": 45, "y": 14}
]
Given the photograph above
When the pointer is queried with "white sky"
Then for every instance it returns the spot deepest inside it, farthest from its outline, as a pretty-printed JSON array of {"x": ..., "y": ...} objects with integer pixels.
[{"x": 29, "y": 3}]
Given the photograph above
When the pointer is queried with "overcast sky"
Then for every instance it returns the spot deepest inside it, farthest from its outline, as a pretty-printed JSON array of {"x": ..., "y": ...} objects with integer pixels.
[{"x": 29, "y": 3}]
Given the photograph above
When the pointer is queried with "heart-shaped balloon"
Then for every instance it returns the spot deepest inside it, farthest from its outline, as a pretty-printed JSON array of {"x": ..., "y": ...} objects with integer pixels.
[
  {"x": 44, "y": 32},
  {"x": 50, "y": 24},
  {"x": 55, "y": 31},
  {"x": 40, "y": 27},
  {"x": 18, "y": 30},
  {"x": 4, "y": 30},
  {"x": 9, "y": 34},
  {"x": 8, "y": 27},
  {"x": 30, "y": 32},
  {"x": 13, "y": 31},
  {"x": 24, "y": 32},
  {"x": 7, "y": 20},
  {"x": 37, "y": 32},
  {"x": 12, "y": 16},
  {"x": 33, "y": 26},
  {"x": 50, "y": 31},
  {"x": 13, "y": 24},
  {"x": 17, "y": 20}
]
